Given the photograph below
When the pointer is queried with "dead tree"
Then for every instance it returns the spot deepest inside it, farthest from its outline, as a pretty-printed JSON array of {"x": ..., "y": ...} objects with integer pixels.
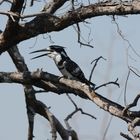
[{"x": 46, "y": 21}]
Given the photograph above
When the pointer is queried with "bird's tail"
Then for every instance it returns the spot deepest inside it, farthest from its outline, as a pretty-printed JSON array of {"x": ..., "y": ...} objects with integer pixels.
[{"x": 90, "y": 83}]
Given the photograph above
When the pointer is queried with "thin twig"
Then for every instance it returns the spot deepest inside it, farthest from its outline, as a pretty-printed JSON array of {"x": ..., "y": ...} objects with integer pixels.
[
  {"x": 24, "y": 7},
  {"x": 114, "y": 83},
  {"x": 48, "y": 36},
  {"x": 123, "y": 37},
  {"x": 79, "y": 109},
  {"x": 35, "y": 42},
  {"x": 32, "y": 3},
  {"x": 80, "y": 36},
  {"x": 107, "y": 128},
  {"x": 74, "y": 112},
  {"x": 87, "y": 114},
  {"x": 89, "y": 34},
  {"x": 96, "y": 61},
  {"x": 134, "y": 103},
  {"x": 79, "y": 31},
  {"x": 134, "y": 72},
  {"x": 1, "y": 2},
  {"x": 72, "y": 101},
  {"x": 126, "y": 136},
  {"x": 9, "y": 1},
  {"x": 12, "y": 14},
  {"x": 125, "y": 88}
]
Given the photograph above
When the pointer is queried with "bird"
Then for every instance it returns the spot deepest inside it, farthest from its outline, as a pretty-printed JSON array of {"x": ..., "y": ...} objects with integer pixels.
[{"x": 66, "y": 66}]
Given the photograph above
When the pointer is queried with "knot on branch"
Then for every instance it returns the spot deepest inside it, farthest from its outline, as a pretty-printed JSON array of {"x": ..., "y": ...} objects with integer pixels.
[
  {"x": 26, "y": 75},
  {"x": 37, "y": 74}
]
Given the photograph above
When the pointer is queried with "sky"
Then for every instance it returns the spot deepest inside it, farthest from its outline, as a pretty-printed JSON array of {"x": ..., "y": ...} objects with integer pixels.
[{"x": 107, "y": 42}]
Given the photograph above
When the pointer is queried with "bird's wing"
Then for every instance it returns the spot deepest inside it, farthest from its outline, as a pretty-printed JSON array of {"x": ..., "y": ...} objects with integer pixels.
[{"x": 74, "y": 70}]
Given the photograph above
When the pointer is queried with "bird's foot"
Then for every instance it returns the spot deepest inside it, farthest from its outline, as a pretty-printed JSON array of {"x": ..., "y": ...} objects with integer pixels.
[
  {"x": 93, "y": 86},
  {"x": 60, "y": 77}
]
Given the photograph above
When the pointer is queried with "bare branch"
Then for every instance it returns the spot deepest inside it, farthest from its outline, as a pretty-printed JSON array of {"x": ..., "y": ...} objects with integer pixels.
[
  {"x": 134, "y": 103},
  {"x": 96, "y": 61},
  {"x": 72, "y": 100},
  {"x": 80, "y": 36},
  {"x": 29, "y": 96},
  {"x": 11, "y": 36},
  {"x": 126, "y": 87},
  {"x": 134, "y": 72},
  {"x": 76, "y": 110},
  {"x": 32, "y": 28},
  {"x": 58, "y": 85},
  {"x": 32, "y": 2},
  {"x": 79, "y": 31},
  {"x": 114, "y": 83},
  {"x": 12, "y": 15},
  {"x": 46, "y": 21},
  {"x": 107, "y": 127},
  {"x": 123, "y": 37},
  {"x": 52, "y": 6},
  {"x": 126, "y": 136},
  {"x": 87, "y": 114},
  {"x": 21, "y": 66},
  {"x": 72, "y": 132},
  {"x": 52, "y": 124},
  {"x": 132, "y": 130},
  {"x": 9, "y": 1},
  {"x": 44, "y": 111}
]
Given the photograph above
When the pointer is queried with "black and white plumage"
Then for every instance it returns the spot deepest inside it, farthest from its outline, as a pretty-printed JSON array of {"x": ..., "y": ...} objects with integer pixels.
[{"x": 67, "y": 67}]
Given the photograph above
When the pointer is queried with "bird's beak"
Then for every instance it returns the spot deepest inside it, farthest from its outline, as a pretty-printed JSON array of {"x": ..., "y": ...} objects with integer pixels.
[{"x": 43, "y": 50}]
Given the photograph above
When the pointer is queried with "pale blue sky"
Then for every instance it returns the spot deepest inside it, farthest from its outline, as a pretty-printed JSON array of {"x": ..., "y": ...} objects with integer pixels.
[{"x": 107, "y": 43}]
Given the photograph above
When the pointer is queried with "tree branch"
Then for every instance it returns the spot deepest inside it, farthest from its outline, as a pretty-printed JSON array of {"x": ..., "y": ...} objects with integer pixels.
[
  {"x": 126, "y": 136},
  {"x": 21, "y": 66},
  {"x": 94, "y": 66},
  {"x": 54, "y": 84},
  {"x": 41, "y": 109},
  {"x": 42, "y": 24},
  {"x": 132, "y": 130},
  {"x": 10, "y": 37},
  {"x": 108, "y": 83},
  {"x": 133, "y": 104}
]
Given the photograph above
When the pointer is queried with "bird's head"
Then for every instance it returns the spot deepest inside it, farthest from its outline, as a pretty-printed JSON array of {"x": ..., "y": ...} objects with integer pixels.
[{"x": 54, "y": 51}]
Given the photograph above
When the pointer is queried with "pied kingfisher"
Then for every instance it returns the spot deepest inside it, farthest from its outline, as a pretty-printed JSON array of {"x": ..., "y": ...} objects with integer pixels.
[{"x": 67, "y": 67}]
